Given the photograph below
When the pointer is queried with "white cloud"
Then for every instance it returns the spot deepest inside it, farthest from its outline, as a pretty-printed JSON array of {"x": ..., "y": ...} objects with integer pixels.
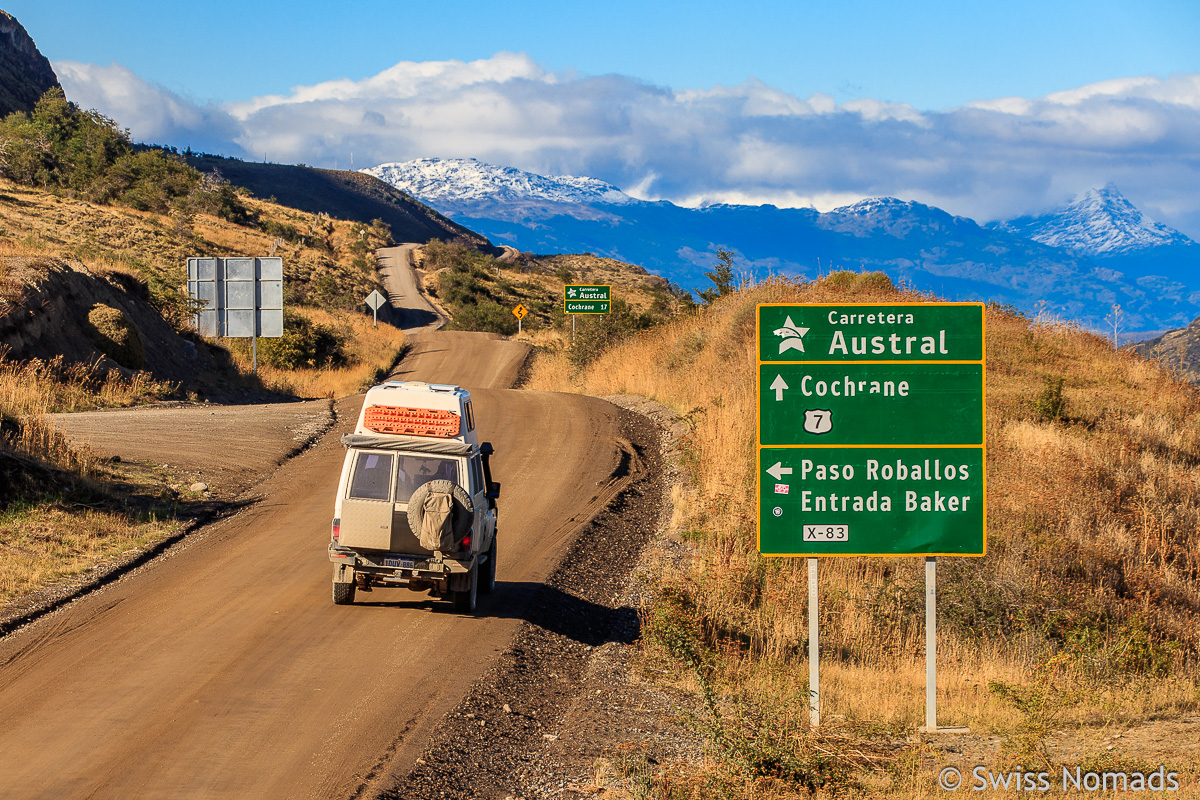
[
  {"x": 151, "y": 113},
  {"x": 745, "y": 143}
]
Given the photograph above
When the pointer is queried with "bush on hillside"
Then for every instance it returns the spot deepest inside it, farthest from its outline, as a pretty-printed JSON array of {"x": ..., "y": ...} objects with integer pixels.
[
  {"x": 114, "y": 333},
  {"x": 60, "y": 146},
  {"x": 303, "y": 344},
  {"x": 488, "y": 316},
  {"x": 596, "y": 334}
]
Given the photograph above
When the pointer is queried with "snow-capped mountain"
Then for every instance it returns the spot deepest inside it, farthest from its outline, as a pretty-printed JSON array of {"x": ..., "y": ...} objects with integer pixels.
[
  {"x": 465, "y": 180},
  {"x": 1099, "y": 222},
  {"x": 1022, "y": 261}
]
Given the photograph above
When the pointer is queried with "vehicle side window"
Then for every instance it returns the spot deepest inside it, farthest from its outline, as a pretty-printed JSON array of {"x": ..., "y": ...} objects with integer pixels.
[
  {"x": 476, "y": 476},
  {"x": 417, "y": 471},
  {"x": 470, "y": 418},
  {"x": 372, "y": 476}
]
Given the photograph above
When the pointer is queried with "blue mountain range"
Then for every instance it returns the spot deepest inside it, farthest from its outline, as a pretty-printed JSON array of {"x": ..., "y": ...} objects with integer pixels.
[{"x": 1076, "y": 261}]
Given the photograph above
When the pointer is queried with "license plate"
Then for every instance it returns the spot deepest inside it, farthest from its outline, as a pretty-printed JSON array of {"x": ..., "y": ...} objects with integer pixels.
[{"x": 402, "y": 563}]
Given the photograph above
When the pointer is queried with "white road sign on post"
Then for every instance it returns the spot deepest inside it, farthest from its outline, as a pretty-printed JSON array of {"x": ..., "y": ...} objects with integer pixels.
[{"x": 375, "y": 300}]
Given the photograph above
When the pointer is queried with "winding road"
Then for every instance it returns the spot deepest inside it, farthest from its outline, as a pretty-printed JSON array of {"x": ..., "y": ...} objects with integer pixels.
[{"x": 223, "y": 670}]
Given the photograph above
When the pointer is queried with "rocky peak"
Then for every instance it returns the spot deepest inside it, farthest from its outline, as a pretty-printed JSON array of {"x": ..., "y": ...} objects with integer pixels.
[
  {"x": 25, "y": 74},
  {"x": 1099, "y": 222}
]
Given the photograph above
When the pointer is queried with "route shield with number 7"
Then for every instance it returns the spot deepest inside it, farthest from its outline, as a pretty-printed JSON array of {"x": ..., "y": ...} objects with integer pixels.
[{"x": 871, "y": 429}]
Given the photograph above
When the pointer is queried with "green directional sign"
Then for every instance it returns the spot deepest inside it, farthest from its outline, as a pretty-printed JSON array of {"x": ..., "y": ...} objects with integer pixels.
[
  {"x": 871, "y": 429},
  {"x": 586, "y": 299}
]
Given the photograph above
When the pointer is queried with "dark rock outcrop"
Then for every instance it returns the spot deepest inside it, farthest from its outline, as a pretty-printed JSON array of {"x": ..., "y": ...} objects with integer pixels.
[
  {"x": 25, "y": 74},
  {"x": 1178, "y": 350}
]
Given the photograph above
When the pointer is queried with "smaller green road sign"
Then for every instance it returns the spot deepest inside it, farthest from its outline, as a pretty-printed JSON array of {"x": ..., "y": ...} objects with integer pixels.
[{"x": 586, "y": 299}]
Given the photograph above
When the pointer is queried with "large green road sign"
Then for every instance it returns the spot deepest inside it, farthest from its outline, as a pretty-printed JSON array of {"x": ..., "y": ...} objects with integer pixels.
[
  {"x": 871, "y": 429},
  {"x": 586, "y": 299}
]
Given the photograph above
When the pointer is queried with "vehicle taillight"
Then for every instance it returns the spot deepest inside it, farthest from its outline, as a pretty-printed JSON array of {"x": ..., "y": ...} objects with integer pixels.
[
  {"x": 466, "y": 542},
  {"x": 337, "y": 529}
]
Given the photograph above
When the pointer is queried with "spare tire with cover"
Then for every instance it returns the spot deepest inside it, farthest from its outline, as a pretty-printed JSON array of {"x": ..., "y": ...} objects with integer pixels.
[{"x": 440, "y": 514}]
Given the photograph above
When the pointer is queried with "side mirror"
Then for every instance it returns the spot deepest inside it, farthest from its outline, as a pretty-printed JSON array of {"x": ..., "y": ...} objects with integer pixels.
[{"x": 493, "y": 492}]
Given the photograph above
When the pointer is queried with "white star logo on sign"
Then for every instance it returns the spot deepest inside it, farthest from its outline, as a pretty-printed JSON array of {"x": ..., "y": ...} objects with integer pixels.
[{"x": 793, "y": 337}]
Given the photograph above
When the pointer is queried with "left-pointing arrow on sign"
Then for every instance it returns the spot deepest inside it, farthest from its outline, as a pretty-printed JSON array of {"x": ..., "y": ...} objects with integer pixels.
[
  {"x": 778, "y": 471},
  {"x": 778, "y": 385}
]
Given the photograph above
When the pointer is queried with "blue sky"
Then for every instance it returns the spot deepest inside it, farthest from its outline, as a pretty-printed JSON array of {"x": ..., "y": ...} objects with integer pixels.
[
  {"x": 986, "y": 110},
  {"x": 932, "y": 55}
]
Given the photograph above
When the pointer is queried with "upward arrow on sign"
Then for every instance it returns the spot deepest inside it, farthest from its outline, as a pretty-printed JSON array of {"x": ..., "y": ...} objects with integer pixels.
[{"x": 778, "y": 385}]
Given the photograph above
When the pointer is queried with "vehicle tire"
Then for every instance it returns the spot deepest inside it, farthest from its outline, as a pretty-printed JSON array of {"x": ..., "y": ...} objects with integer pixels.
[
  {"x": 343, "y": 593},
  {"x": 464, "y": 600},
  {"x": 487, "y": 581}
]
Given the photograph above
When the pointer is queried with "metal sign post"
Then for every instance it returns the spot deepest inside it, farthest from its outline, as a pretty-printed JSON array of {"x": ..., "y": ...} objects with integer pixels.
[
  {"x": 375, "y": 300},
  {"x": 931, "y": 643},
  {"x": 871, "y": 440},
  {"x": 519, "y": 312},
  {"x": 814, "y": 662}
]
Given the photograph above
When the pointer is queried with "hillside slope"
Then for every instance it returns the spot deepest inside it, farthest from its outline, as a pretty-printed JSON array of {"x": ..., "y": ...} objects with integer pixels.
[
  {"x": 342, "y": 195},
  {"x": 1177, "y": 350},
  {"x": 1081, "y": 617}
]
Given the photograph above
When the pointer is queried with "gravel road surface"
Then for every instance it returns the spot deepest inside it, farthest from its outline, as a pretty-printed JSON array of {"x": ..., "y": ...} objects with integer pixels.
[
  {"x": 223, "y": 670},
  {"x": 227, "y": 447}
]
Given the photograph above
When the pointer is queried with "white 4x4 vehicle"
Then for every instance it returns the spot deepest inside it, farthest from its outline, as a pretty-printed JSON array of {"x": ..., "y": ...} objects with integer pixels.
[{"x": 416, "y": 505}]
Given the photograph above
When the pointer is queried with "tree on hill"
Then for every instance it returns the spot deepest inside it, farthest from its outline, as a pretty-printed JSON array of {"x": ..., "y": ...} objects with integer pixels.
[
  {"x": 721, "y": 277},
  {"x": 62, "y": 147}
]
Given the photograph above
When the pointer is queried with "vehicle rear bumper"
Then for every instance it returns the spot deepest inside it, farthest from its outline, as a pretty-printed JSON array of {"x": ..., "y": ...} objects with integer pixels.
[{"x": 402, "y": 568}]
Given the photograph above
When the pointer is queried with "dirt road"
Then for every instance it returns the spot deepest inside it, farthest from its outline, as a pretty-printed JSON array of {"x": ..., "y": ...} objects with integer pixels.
[
  {"x": 227, "y": 447},
  {"x": 407, "y": 308},
  {"x": 224, "y": 671}
]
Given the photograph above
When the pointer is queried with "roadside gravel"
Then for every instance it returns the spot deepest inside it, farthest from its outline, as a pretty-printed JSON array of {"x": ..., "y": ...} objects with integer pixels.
[{"x": 562, "y": 700}]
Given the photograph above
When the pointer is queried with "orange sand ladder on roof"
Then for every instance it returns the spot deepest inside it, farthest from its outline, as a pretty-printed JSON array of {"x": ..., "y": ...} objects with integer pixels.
[{"x": 398, "y": 420}]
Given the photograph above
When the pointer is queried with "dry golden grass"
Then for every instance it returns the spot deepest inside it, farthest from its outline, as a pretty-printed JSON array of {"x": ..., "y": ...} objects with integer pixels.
[
  {"x": 31, "y": 390},
  {"x": 45, "y": 535},
  {"x": 47, "y": 544},
  {"x": 44, "y": 387},
  {"x": 149, "y": 246},
  {"x": 372, "y": 353},
  {"x": 1093, "y": 545}
]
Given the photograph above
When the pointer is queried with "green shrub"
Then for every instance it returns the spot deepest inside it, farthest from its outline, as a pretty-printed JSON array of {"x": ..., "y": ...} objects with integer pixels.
[
  {"x": 597, "y": 333},
  {"x": 61, "y": 146},
  {"x": 487, "y": 316},
  {"x": 114, "y": 333},
  {"x": 1050, "y": 405},
  {"x": 303, "y": 344}
]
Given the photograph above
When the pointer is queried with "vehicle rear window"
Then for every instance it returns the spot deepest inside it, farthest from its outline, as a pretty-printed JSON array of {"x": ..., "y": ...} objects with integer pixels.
[
  {"x": 372, "y": 476},
  {"x": 416, "y": 471}
]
